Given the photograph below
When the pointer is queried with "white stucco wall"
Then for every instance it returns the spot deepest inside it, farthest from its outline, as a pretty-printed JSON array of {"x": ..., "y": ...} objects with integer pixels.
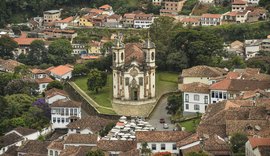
[
  {"x": 168, "y": 147},
  {"x": 191, "y": 102},
  {"x": 55, "y": 117},
  {"x": 205, "y": 80}
]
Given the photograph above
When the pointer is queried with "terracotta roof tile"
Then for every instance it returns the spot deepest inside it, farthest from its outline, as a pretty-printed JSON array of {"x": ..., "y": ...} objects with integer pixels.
[
  {"x": 190, "y": 19},
  {"x": 9, "y": 64},
  {"x": 54, "y": 91},
  {"x": 66, "y": 103},
  {"x": 44, "y": 80},
  {"x": 161, "y": 136},
  {"x": 94, "y": 123},
  {"x": 61, "y": 70},
  {"x": 116, "y": 145},
  {"x": 134, "y": 152},
  {"x": 203, "y": 71},
  {"x": 256, "y": 142},
  {"x": 25, "y": 41},
  {"x": 35, "y": 147},
  {"x": 81, "y": 139},
  {"x": 240, "y": 85},
  {"x": 239, "y": 2},
  {"x": 195, "y": 87},
  {"x": 106, "y": 6},
  {"x": 211, "y": 15},
  {"x": 25, "y": 131},
  {"x": 191, "y": 139},
  {"x": 9, "y": 139},
  {"x": 66, "y": 20},
  {"x": 58, "y": 145},
  {"x": 133, "y": 51}
]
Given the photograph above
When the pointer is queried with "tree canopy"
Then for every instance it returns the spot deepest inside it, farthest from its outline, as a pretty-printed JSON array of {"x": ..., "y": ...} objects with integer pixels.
[
  {"x": 7, "y": 46},
  {"x": 96, "y": 80},
  {"x": 238, "y": 141}
]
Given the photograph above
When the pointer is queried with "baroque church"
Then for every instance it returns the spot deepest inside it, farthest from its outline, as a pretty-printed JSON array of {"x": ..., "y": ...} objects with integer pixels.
[{"x": 134, "y": 72}]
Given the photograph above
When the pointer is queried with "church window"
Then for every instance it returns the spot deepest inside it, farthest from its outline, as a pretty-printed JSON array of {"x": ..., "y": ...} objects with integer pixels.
[
  {"x": 141, "y": 81},
  {"x": 122, "y": 56},
  {"x": 127, "y": 81},
  {"x": 153, "y": 86},
  {"x": 153, "y": 55},
  {"x": 114, "y": 56}
]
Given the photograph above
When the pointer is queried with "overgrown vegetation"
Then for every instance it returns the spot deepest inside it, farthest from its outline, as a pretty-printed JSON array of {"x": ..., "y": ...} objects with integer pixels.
[{"x": 188, "y": 6}]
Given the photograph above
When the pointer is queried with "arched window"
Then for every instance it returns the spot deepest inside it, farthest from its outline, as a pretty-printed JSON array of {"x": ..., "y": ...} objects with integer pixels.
[
  {"x": 122, "y": 56},
  {"x": 114, "y": 56},
  {"x": 153, "y": 56}
]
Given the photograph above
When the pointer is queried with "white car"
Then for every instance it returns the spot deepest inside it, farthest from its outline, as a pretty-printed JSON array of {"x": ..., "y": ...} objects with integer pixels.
[{"x": 165, "y": 126}]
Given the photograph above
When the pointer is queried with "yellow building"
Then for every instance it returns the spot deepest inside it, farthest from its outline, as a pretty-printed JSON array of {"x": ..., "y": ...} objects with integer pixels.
[{"x": 86, "y": 21}]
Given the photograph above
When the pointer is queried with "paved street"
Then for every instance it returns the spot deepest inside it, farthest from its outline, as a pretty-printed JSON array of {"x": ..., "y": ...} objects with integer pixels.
[{"x": 161, "y": 112}]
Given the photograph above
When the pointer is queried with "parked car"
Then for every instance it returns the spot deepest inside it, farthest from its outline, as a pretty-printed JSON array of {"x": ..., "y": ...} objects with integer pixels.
[
  {"x": 165, "y": 126},
  {"x": 162, "y": 120}
]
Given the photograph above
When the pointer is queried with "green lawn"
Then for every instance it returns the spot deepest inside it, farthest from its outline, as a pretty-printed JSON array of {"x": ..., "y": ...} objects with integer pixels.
[
  {"x": 190, "y": 125},
  {"x": 104, "y": 97},
  {"x": 165, "y": 81}
]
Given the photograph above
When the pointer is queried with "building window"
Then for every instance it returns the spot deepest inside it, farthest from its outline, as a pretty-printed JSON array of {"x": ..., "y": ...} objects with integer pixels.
[
  {"x": 186, "y": 97},
  {"x": 152, "y": 55},
  {"x": 162, "y": 146},
  {"x": 55, "y": 153},
  {"x": 63, "y": 120},
  {"x": 154, "y": 147},
  {"x": 196, "y": 98},
  {"x": 220, "y": 95},
  {"x": 206, "y": 99},
  {"x": 187, "y": 106},
  {"x": 127, "y": 81},
  {"x": 174, "y": 147},
  {"x": 67, "y": 119},
  {"x": 71, "y": 111},
  {"x": 67, "y": 111},
  {"x": 58, "y": 120},
  {"x": 213, "y": 94},
  {"x": 122, "y": 56},
  {"x": 216, "y": 94},
  {"x": 196, "y": 107},
  {"x": 51, "y": 152},
  {"x": 75, "y": 112},
  {"x": 54, "y": 119},
  {"x": 141, "y": 81},
  {"x": 224, "y": 95}
]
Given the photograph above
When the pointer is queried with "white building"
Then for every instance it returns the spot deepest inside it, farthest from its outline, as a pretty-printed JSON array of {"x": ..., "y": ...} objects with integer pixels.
[
  {"x": 211, "y": 19},
  {"x": 254, "y": 2},
  {"x": 252, "y": 48},
  {"x": 161, "y": 141},
  {"x": 62, "y": 72},
  {"x": 55, "y": 147},
  {"x": 63, "y": 24},
  {"x": 257, "y": 146},
  {"x": 51, "y": 16},
  {"x": 134, "y": 73},
  {"x": 202, "y": 74},
  {"x": 54, "y": 94},
  {"x": 143, "y": 20},
  {"x": 157, "y": 2},
  {"x": 239, "y": 5},
  {"x": 79, "y": 49},
  {"x": 42, "y": 79},
  {"x": 207, "y": 1},
  {"x": 196, "y": 97},
  {"x": 16, "y": 137},
  {"x": 242, "y": 16},
  {"x": 63, "y": 112},
  {"x": 232, "y": 88}
]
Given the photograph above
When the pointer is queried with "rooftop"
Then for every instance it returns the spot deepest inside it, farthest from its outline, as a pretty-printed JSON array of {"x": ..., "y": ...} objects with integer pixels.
[
  {"x": 35, "y": 147},
  {"x": 25, "y": 131},
  {"x": 203, "y": 71},
  {"x": 211, "y": 15},
  {"x": 195, "y": 87},
  {"x": 26, "y": 41},
  {"x": 54, "y": 91},
  {"x": 66, "y": 103},
  {"x": 9, "y": 139},
  {"x": 81, "y": 139},
  {"x": 61, "y": 70},
  {"x": 116, "y": 145},
  {"x": 161, "y": 136}
]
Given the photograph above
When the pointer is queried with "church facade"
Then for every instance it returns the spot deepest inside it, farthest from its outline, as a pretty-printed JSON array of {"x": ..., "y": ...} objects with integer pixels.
[{"x": 134, "y": 72}]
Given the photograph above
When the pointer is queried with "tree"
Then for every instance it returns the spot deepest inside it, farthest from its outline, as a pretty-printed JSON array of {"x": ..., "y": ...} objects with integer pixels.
[
  {"x": 145, "y": 150},
  {"x": 106, "y": 48},
  {"x": 41, "y": 104},
  {"x": 176, "y": 61},
  {"x": 5, "y": 78},
  {"x": 60, "y": 52},
  {"x": 237, "y": 142},
  {"x": 106, "y": 130},
  {"x": 174, "y": 104},
  {"x": 22, "y": 70},
  {"x": 80, "y": 70},
  {"x": 96, "y": 80},
  {"x": 97, "y": 152},
  {"x": 21, "y": 86},
  {"x": 38, "y": 53},
  {"x": 55, "y": 84},
  {"x": 7, "y": 46}
]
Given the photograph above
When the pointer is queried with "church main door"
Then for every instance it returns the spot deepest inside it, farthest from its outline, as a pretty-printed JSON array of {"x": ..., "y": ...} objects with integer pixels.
[{"x": 134, "y": 94}]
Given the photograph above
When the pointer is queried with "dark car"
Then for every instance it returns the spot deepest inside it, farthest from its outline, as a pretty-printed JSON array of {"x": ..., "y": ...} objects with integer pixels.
[{"x": 161, "y": 120}]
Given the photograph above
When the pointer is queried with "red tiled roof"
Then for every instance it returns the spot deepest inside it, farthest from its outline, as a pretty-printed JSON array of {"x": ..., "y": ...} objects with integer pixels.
[
  {"x": 25, "y": 41},
  {"x": 256, "y": 142},
  {"x": 54, "y": 91},
  {"x": 44, "y": 80},
  {"x": 61, "y": 70},
  {"x": 81, "y": 139},
  {"x": 239, "y": 2},
  {"x": 66, "y": 103},
  {"x": 97, "y": 11},
  {"x": 133, "y": 51},
  {"x": 161, "y": 136},
  {"x": 38, "y": 71},
  {"x": 211, "y": 15},
  {"x": 195, "y": 87},
  {"x": 106, "y": 6},
  {"x": 66, "y": 20},
  {"x": 190, "y": 19}
]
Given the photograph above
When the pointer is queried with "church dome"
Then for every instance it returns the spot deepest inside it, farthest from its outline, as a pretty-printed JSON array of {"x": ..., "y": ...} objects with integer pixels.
[{"x": 134, "y": 52}]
